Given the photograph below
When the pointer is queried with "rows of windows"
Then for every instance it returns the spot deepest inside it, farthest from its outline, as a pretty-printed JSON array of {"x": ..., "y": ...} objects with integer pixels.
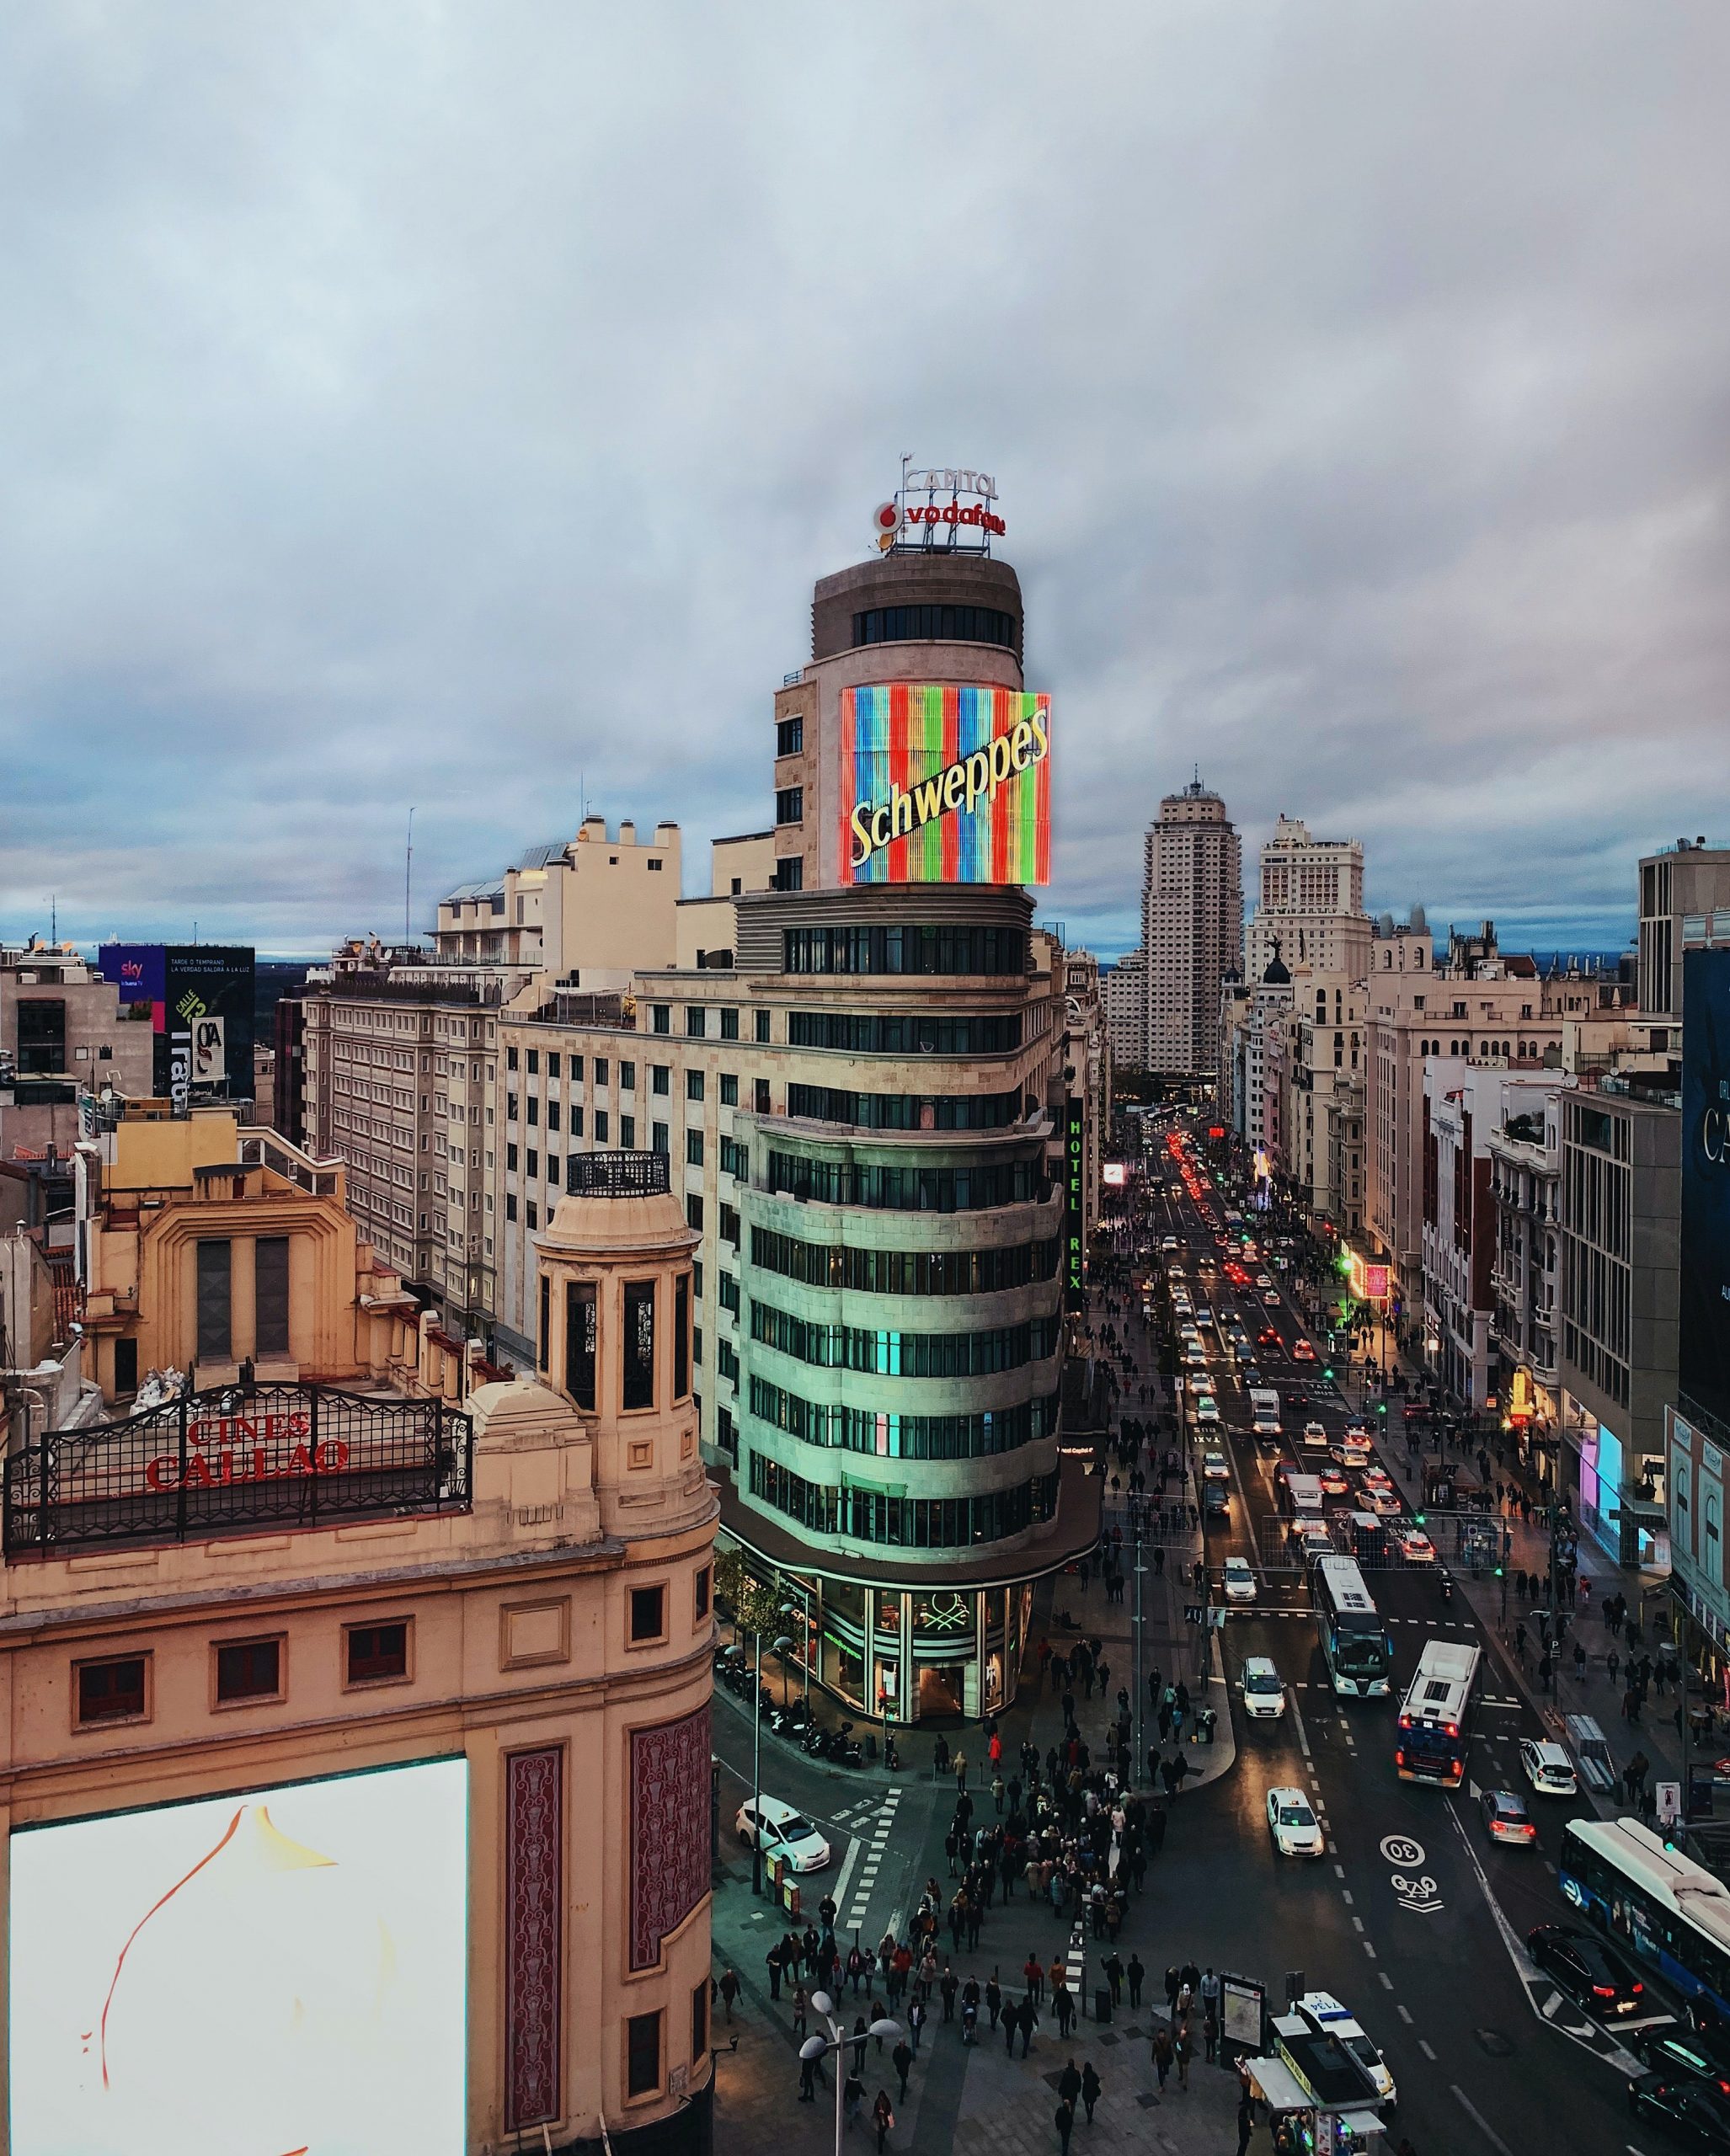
[
  {"x": 904, "y": 1437},
  {"x": 906, "y": 1111},
  {"x": 910, "y": 1189},
  {"x": 903, "y": 1522},
  {"x": 906, "y": 1032},
  {"x": 959, "y": 948},
  {"x": 934, "y": 624},
  {"x": 887, "y": 1352},
  {"x": 903, "y": 1272},
  {"x": 119, "y": 1688}
]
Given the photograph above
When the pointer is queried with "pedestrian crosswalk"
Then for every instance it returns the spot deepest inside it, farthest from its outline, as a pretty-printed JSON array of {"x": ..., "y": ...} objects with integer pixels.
[{"x": 878, "y": 1842}]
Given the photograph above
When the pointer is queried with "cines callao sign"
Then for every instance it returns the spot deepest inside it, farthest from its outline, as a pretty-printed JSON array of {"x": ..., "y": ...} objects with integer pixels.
[{"x": 945, "y": 784}]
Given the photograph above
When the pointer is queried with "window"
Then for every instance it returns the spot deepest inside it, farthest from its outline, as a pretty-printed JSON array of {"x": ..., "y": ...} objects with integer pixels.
[
  {"x": 532, "y": 1212},
  {"x": 600, "y": 1126},
  {"x": 270, "y": 1295},
  {"x": 659, "y": 1138},
  {"x": 601, "y": 1069},
  {"x": 648, "y": 1614},
  {"x": 790, "y": 805},
  {"x": 729, "y": 1024},
  {"x": 553, "y": 1115},
  {"x": 628, "y": 1133},
  {"x": 510, "y": 1158},
  {"x": 729, "y": 1089},
  {"x": 581, "y": 1335},
  {"x": 681, "y": 1336},
  {"x": 639, "y": 1359},
  {"x": 660, "y": 1018},
  {"x": 576, "y": 1069},
  {"x": 628, "y": 1077},
  {"x": 41, "y": 1034},
  {"x": 511, "y": 1056},
  {"x": 534, "y": 1061},
  {"x": 790, "y": 737},
  {"x": 789, "y": 874},
  {"x": 660, "y": 1078},
  {"x": 643, "y": 2054},
  {"x": 696, "y": 1020},
  {"x": 111, "y": 1691},
  {"x": 377, "y": 1654},
  {"x": 729, "y": 1225},
  {"x": 534, "y": 1109},
  {"x": 701, "y": 1592},
  {"x": 552, "y": 1167},
  {"x": 653, "y": 866},
  {"x": 760, "y": 1019},
  {"x": 693, "y": 1211},
  {"x": 509, "y": 1208},
  {"x": 693, "y": 1085},
  {"x": 534, "y": 1162},
  {"x": 735, "y": 1159},
  {"x": 935, "y": 625},
  {"x": 545, "y": 1358},
  {"x": 693, "y": 1149},
  {"x": 699, "y": 2022},
  {"x": 214, "y": 1333},
  {"x": 249, "y": 1669},
  {"x": 552, "y": 1063},
  {"x": 759, "y": 1096},
  {"x": 576, "y": 1122}
]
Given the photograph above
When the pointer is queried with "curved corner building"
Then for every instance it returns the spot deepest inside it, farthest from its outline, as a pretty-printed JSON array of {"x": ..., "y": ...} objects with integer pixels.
[{"x": 896, "y": 1438}]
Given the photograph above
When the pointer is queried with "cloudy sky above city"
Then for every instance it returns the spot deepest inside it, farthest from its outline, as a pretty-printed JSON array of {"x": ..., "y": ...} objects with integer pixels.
[{"x": 452, "y": 407}]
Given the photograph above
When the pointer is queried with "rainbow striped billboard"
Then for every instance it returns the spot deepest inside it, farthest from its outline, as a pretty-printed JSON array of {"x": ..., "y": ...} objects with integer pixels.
[{"x": 945, "y": 784}]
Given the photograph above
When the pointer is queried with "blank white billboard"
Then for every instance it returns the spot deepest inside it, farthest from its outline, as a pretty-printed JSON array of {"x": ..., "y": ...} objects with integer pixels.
[{"x": 256, "y": 1975}]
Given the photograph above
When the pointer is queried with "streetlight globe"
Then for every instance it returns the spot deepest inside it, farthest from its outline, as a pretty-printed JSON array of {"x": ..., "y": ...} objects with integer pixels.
[
  {"x": 822, "y": 2002},
  {"x": 783, "y": 1644},
  {"x": 885, "y": 2028},
  {"x": 812, "y": 2047}
]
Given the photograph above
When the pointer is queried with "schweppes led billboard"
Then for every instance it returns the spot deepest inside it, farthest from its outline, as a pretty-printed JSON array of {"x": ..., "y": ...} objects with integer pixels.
[{"x": 943, "y": 783}]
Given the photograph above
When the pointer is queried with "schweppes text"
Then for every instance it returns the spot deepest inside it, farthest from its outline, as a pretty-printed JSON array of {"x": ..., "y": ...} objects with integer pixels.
[{"x": 964, "y": 784}]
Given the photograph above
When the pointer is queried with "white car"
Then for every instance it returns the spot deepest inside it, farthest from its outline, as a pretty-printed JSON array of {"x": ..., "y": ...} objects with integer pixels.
[
  {"x": 1316, "y": 1434},
  {"x": 1207, "y": 1409},
  {"x": 787, "y": 1834},
  {"x": 1328, "y": 2018},
  {"x": 1383, "y": 1503},
  {"x": 1240, "y": 1581},
  {"x": 1215, "y": 1467},
  {"x": 1168, "y": 1242},
  {"x": 1295, "y": 1829},
  {"x": 1263, "y": 1690},
  {"x": 1262, "y": 1280},
  {"x": 1549, "y": 1770},
  {"x": 1415, "y": 1547}
]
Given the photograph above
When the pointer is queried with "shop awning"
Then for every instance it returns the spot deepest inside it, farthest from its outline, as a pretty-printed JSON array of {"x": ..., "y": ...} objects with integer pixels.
[{"x": 1278, "y": 2086}]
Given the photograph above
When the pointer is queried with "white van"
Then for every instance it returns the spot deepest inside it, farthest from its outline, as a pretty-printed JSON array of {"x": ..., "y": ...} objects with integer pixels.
[{"x": 1264, "y": 1411}]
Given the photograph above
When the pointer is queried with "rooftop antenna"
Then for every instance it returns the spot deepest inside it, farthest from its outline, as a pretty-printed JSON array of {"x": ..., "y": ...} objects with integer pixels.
[
  {"x": 409, "y": 878},
  {"x": 54, "y": 917}
]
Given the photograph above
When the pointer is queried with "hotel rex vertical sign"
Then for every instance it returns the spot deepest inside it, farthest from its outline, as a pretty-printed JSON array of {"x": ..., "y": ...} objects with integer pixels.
[{"x": 1075, "y": 1169}]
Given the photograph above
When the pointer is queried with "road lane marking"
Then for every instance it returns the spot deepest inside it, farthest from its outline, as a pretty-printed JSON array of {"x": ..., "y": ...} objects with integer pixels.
[
  {"x": 1479, "y": 2120},
  {"x": 1426, "y": 2050},
  {"x": 847, "y": 1870},
  {"x": 1368, "y": 1948},
  {"x": 1405, "y": 2014},
  {"x": 1357, "y": 1924},
  {"x": 1387, "y": 1984},
  {"x": 1339, "y": 1871}
]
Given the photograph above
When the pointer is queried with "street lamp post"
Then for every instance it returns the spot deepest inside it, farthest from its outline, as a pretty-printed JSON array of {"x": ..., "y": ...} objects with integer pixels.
[
  {"x": 816, "y": 2047},
  {"x": 756, "y": 1752}
]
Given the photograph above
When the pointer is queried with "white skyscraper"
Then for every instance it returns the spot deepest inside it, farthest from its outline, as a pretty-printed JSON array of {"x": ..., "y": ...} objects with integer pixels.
[
  {"x": 1311, "y": 903},
  {"x": 1192, "y": 927}
]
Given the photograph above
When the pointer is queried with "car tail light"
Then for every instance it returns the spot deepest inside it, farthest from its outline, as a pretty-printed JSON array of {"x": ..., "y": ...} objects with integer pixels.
[
  {"x": 1452, "y": 1728},
  {"x": 1399, "y": 1758},
  {"x": 1638, "y": 1989},
  {"x": 1604, "y": 1991}
]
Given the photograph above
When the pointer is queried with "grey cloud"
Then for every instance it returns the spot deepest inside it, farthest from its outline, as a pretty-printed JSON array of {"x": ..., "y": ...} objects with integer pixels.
[{"x": 454, "y": 407}]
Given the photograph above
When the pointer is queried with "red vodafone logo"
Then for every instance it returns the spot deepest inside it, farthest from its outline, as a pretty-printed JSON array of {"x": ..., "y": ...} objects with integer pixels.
[{"x": 885, "y": 517}]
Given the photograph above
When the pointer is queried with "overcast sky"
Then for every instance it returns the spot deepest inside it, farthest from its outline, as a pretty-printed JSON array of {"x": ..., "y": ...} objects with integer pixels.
[{"x": 453, "y": 406}]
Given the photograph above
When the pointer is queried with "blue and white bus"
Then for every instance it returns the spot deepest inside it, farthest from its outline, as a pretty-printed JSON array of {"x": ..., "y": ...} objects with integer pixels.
[
  {"x": 1436, "y": 1716},
  {"x": 1354, "y": 1641},
  {"x": 1658, "y": 1905}
]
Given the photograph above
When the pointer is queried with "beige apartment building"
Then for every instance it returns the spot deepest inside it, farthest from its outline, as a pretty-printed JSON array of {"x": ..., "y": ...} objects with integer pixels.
[
  {"x": 1310, "y": 904},
  {"x": 1323, "y": 1065},
  {"x": 585, "y": 911},
  {"x": 397, "y": 1690}
]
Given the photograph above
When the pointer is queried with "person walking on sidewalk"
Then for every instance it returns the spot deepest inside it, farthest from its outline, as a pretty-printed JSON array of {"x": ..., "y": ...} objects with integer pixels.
[
  {"x": 1162, "y": 2055},
  {"x": 1183, "y": 2049},
  {"x": 799, "y": 2004},
  {"x": 1065, "y": 2118},
  {"x": 1137, "y": 1975},
  {"x": 729, "y": 1989},
  {"x": 1090, "y": 2086},
  {"x": 1069, "y": 2082},
  {"x": 883, "y": 2118},
  {"x": 901, "y": 2059}
]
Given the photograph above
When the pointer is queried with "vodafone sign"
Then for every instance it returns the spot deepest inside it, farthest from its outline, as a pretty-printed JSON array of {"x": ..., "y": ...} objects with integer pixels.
[{"x": 956, "y": 514}]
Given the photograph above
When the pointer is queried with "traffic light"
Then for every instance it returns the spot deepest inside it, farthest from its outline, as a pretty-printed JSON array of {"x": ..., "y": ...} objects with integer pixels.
[
  {"x": 1419, "y": 1518},
  {"x": 1381, "y": 1407}
]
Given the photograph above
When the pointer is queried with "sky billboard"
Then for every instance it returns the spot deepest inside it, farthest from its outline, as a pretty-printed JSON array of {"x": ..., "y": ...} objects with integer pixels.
[
  {"x": 272, "y": 1972},
  {"x": 1703, "y": 1347},
  {"x": 943, "y": 783}
]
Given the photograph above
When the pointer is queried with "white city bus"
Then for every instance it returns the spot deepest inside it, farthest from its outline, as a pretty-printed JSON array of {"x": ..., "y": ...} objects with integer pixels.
[
  {"x": 1435, "y": 1716},
  {"x": 1354, "y": 1641}
]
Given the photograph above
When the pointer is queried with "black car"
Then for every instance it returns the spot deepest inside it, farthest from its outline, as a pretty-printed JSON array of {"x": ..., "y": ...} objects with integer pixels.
[
  {"x": 1695, "y": 2113},
  {"x": 1672, "y": 2051},
  {"x": 1594, "y": 1976},
  {"x": 1215, "y": 1506}
]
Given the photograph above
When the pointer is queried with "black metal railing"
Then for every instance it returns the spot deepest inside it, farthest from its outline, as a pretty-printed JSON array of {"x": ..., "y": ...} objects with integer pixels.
[
  {"x": 617, "y": 1175},
  {"x": 228, "y": 1461}
]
